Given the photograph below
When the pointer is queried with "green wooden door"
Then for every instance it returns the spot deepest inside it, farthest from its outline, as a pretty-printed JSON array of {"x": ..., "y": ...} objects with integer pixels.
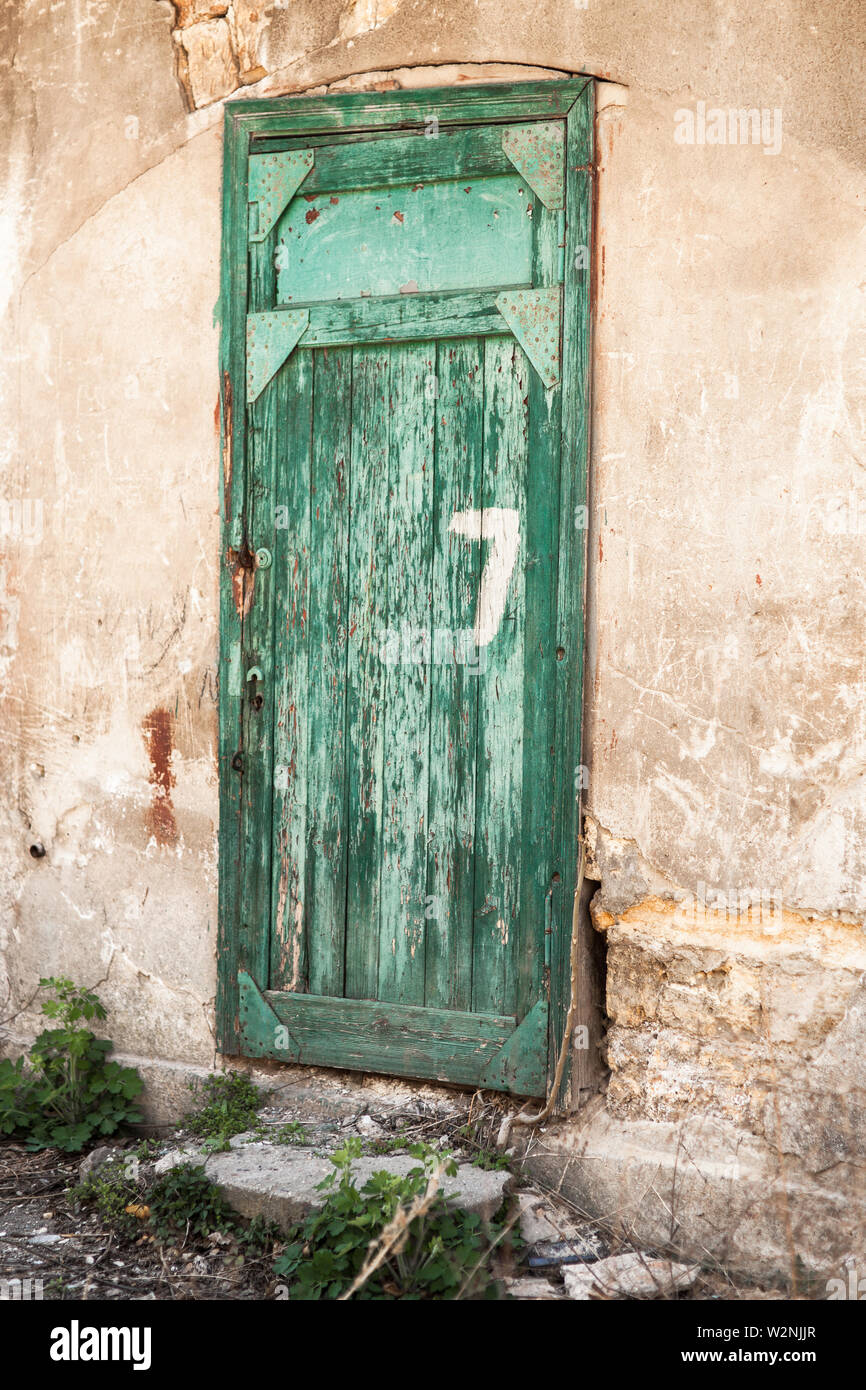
[{"x": 405, "y": 357}]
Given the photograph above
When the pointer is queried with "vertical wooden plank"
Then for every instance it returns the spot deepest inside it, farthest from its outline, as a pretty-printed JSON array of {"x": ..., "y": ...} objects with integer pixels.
[
  {"x": 572, "y": 560},
  {"x": 541, "y": 566},
  {"x": 368, "y": 574},
  {"x": 454, "y": 675},
  {"x": 233, "y": 293},
  {"x": 257, "y": 697},
  {"x": 291, "y": 584},
  {"x": 499, "y": 749},
  {"x": 328, "y": 606},
  {"x": 407, "y": 654}
]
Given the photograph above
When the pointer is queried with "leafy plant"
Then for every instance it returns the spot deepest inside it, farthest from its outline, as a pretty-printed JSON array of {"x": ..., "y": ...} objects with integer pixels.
[
  {"x": 229, "y": 1104},
  {"x": 112, "y": 1190},
  {"x": 68, "y": 1092},
  {"x": 146, "y": 1150},
  {"x": 484, "y": 1155},
  {"x": 293, "y": 1133},
  {"x": 490, "y": 1160},
  {"x": 382, "y": 1147},
  {"x": 441, "y": 1252},
  {"x": 183, "y": 1201},
  {"x": 180, "y": 1203},
  {"x": 259, "y": 1234}
]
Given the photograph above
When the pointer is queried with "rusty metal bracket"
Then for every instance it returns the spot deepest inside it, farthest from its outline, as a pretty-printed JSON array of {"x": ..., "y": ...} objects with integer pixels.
[
  {"x": 271, "y": 338},
  {"x": 534, "y": 318},
  {"x": 537, "y": 151},
  {"x": 273, "y": 181}
]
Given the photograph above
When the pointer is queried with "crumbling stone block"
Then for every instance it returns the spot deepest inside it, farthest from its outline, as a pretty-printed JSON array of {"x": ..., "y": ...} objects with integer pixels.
[{"x": 210, "y": 69}]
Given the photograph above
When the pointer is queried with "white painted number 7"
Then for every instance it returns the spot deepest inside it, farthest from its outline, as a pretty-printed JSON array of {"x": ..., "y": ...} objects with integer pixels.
[{"x": 501, "y": 525}]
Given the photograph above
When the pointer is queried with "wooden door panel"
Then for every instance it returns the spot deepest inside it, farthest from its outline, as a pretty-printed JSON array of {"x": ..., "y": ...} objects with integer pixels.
[
  {"x": 373, "y": 691},
  {"x": 408, "y": 559},
  {"x": 499, "y": 738},
  {"x": 289, "y": 399},
  {"x": 403, "y": 853},
  {"x": 374, "y": 242},
  {"x": 456, "y": 577},
  {"x": 329, "y": 622},
  {"x": 349, "y": 162},
  {"x": 368, "y": 606}
]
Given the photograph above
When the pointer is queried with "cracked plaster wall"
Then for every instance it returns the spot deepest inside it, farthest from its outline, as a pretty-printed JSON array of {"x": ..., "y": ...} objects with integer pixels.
[{"x": 725, "y": 725}]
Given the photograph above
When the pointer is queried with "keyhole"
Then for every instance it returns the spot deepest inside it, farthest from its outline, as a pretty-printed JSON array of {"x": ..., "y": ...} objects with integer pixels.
[{"x": 257, "y": 699}]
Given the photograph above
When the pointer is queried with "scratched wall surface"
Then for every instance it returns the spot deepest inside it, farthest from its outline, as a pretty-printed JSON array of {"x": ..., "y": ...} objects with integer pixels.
[{"x": 726, "y": 693}]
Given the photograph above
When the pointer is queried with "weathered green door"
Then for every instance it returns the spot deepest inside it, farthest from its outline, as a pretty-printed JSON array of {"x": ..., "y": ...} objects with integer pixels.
[{"x": 404, "y": 308}]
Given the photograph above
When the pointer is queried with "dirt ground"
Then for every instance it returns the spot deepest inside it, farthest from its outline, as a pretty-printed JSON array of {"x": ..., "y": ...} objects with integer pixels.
[{"x": 45, "y": 1235}]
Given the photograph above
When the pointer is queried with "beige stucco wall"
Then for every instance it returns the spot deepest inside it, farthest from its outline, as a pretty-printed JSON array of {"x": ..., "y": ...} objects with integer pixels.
[{"x": 726, "y": 692}]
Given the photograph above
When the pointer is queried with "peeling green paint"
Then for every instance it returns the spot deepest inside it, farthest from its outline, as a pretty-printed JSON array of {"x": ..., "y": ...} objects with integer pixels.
[{"x": 398, "y": 842}]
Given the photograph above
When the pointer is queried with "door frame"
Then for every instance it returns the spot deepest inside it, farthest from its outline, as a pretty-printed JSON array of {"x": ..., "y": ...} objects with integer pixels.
[{"x": 246, "y": 124}]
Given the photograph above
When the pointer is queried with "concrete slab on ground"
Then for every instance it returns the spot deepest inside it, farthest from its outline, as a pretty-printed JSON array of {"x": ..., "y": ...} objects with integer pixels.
[{"x": 282, "y": 1184}]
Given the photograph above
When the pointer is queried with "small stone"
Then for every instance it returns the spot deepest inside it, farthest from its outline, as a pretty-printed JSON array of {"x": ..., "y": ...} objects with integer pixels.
[
  {"x": 96, "y": 1158},
  {"x": 628, "y": 1276},
  {"x": 529, "y": 1288},
  {"x": 188, "y": 1154},
  {"x": 253, "y": 75},
  {"x": 211, "y": 65},
  {"x": 240, "y": 1141},
  {"x": 534, "y": 1225},
  {"x": 191, "y": 11},
  {"x": 552, "y": 1234},
  {"x": 367, "y": 1126},
  {"x": 45, "y": 1239}
]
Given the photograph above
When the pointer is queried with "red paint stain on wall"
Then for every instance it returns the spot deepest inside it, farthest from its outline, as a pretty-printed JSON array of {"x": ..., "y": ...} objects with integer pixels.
[{"x": 156, "y": 730}]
